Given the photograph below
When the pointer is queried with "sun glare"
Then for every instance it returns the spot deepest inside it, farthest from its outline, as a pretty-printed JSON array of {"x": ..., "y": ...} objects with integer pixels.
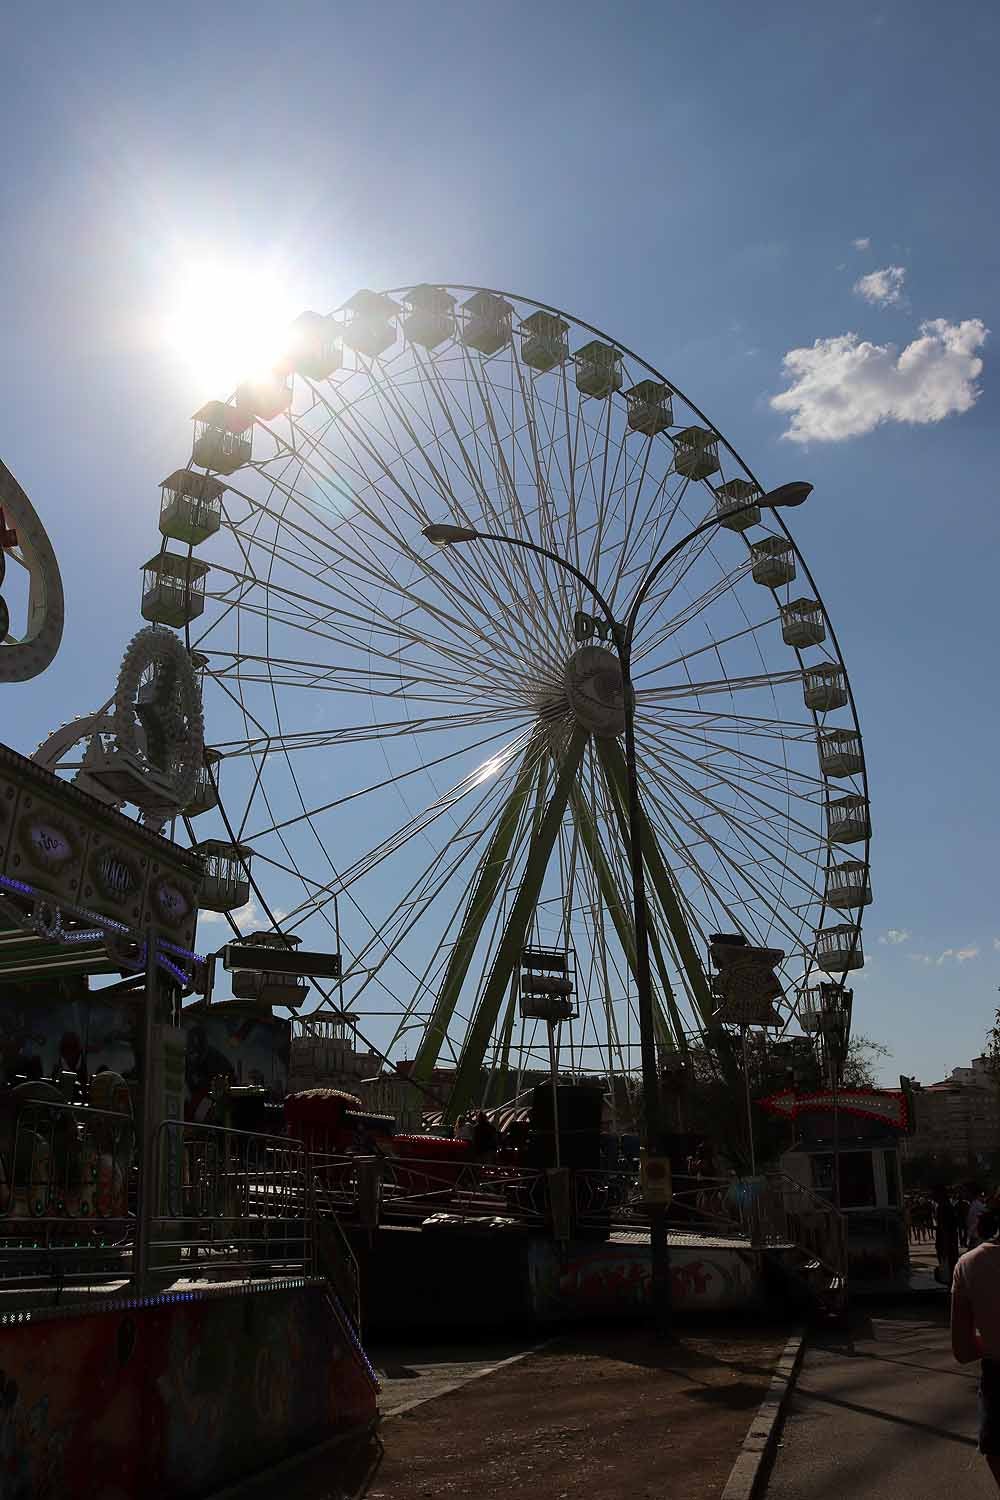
[{"x": 227, "y": 323}]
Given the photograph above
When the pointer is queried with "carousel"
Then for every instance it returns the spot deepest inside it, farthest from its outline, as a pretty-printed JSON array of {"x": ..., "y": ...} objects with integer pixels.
[{"x": 126, "y": 1228}]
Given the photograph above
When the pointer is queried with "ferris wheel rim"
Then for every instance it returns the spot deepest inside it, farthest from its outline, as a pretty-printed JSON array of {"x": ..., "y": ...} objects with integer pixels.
[{"x": 582, "y": 324}]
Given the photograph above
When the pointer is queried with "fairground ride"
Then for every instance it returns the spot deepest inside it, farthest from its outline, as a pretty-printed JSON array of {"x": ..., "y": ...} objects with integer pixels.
[{"x": 426, "y": 744}]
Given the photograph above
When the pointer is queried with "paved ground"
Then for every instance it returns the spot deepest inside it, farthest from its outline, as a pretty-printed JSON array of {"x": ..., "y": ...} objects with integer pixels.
[
  {"x": 597, "y": 1416},
  {"x": 413, "y": 1373},
  {"x": 887, "y": 1413}
]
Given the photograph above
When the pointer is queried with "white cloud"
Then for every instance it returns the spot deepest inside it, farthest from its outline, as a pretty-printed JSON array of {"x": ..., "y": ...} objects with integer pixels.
[
  {"x": 882, "y": 288},
  {"x": 960, "y": 955},
  {"x": 996, "y": 945},
  {"x": 248, "y": 918},
  {"x": 842, "y": 387},
  {"x": 896, "y": 935},
  {"x": 864, "y": 243}
]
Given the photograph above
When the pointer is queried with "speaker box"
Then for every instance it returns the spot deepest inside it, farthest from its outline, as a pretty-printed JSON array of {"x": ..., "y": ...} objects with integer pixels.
[{"x": 580, "y": 1110}]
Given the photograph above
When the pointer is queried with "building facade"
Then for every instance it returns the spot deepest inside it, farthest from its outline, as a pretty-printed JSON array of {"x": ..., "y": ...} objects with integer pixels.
[
  {"x": 958, "y": 1119},
  {"x": 325, "y": 1053}
]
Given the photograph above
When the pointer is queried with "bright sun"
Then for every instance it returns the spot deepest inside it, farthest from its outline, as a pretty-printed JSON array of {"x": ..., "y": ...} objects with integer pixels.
[{"x": 227, "y": 323}]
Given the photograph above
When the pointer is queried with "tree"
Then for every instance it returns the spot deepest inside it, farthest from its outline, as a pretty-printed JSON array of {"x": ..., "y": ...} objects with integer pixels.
[
  {"x": 992, "y": 1052},
  {"x": 863, "y": 1057}
]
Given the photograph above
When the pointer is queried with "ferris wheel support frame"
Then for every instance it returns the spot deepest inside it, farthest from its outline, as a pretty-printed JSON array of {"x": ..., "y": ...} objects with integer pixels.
[
  {"x": 545, "y": 452},
  {"x": 486, "y": 1015},
  {"x": 639, "y": 846},
  {"x": 508, "y": 950}
]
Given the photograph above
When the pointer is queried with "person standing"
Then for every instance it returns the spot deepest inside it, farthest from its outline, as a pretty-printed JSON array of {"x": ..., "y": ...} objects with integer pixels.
[
  {"x": 975, "y": 1330},
  {"x": 962, "y": 1206},
  {"x": 945, "y": 1233},
  {"x": 976, "y": 1210}
]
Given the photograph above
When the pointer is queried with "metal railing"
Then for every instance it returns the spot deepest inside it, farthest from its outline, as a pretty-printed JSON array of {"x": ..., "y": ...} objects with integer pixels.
[
  {"x": 228, "y": 1203},
  {"x": 766, "y": 1211},
  {"x": 769, "y": 1210},
  {"x": 334, "y": 1257},
  {"x": 67, "y": 1182}
]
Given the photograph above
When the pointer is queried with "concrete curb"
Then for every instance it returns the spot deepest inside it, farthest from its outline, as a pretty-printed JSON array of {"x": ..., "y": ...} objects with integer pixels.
[{"x": 748, "y": 1476}]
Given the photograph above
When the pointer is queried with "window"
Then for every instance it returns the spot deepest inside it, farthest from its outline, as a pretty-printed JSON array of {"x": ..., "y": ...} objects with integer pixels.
[{"x": 857, "y": 1178}]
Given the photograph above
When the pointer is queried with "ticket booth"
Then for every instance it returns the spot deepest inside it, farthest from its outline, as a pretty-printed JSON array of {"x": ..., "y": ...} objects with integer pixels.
[{"x": 856, "y": 1135}]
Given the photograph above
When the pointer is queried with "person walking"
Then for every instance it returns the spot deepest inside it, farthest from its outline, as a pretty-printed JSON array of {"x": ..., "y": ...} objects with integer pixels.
[
  {"x": 945, "y": 1233},
  {"x": 975, "y": 1329},
  {"x": 962, "y": 1206}
]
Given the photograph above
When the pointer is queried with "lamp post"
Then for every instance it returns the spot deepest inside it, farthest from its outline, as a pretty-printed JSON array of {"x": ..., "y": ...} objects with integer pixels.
[{"x": 445, "y": 535}]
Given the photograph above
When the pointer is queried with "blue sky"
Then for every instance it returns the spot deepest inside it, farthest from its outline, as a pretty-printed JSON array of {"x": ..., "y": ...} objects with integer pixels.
[{"x": 697, "y": 181}]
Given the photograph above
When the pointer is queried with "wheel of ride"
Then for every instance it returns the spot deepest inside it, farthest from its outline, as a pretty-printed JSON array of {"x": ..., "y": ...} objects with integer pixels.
[{"x": 419, "y": 732}]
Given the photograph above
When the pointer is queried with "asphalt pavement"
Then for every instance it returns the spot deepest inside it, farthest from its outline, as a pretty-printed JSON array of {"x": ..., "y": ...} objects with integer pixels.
[{"x": 885, "y": 1412}]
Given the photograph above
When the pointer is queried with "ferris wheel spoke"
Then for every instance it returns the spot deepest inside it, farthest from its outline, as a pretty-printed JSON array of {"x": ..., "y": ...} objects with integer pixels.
[
  {"x": 518, "y": 520},
  {"x": 746, "y": 826},
  {"x": 618, "y": 503},
  {"x": 414, "y": 508},
  {"x": 773, "y": 774},
  {"x": 491, "y": 766},
  {"x": 730, "y": 902},
  {"x": 321, "y": 739},
  {"x": 515, "y": 564},
  {"x": 321, "y": 625},
  {"x": 726, "y": 685},
  {"x": 394, "y": 401},
  {"x": 417, "y": 902},
  {"x": 728, "y": 721},
  {"x": 689, "y": 613},
  {"x": 650, "y": 538},
  {"x": 751, "y": 850},
  {"x": 740, "y": 782},
  {"x": 636, "y": 519},
  {"x": 745, "y": 633},
  {"x": 392, "y": 623},
  {"x": 483, "y": 576}
]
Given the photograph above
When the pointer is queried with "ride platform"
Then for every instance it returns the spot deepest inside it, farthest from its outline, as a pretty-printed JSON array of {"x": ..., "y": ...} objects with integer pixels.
[{"x": 460, "y": 1276}]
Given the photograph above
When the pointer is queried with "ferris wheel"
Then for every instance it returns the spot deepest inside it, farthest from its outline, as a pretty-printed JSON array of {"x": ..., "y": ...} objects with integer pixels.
[{"x": 400, "y": 736}]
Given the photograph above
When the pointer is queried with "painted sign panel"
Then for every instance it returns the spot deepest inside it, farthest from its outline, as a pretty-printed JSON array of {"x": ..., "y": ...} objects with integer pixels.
[
  {"x": 40, "y": 1036},
  {"x": 612, "y": 1278},
  {"x": 61, "y": 1033},
  {"x": 174, "y": 1397},
  {"x": 245, "y": 1049}
]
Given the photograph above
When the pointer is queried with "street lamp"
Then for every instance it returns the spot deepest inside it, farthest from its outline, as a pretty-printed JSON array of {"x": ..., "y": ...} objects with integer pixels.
[{"x": 445, "y": 535}]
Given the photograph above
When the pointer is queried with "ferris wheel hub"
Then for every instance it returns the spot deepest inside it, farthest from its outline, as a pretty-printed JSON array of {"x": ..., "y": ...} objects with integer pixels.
[{"x": 595, "y": 691}]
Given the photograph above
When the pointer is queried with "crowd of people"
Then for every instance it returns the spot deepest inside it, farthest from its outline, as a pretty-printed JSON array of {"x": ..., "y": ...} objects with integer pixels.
[{"x": 955, "y": 1219}]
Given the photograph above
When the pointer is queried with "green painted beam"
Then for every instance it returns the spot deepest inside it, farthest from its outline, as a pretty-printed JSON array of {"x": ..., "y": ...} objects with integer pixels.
[
  {"x": 512, "y": 940},
  {"x": 501, "y": 1072},
  {"x": 613, "y": 760},
  {"x": 491, "y": 872},
  {"x": 620, "y": 915},
  {"x": 670, "y": 1032}
]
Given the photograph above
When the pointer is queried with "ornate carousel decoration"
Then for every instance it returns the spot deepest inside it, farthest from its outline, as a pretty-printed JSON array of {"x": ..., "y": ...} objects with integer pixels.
[
  {"x": 29, "y": 636},
  {"x": 146, "y": 744}
]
